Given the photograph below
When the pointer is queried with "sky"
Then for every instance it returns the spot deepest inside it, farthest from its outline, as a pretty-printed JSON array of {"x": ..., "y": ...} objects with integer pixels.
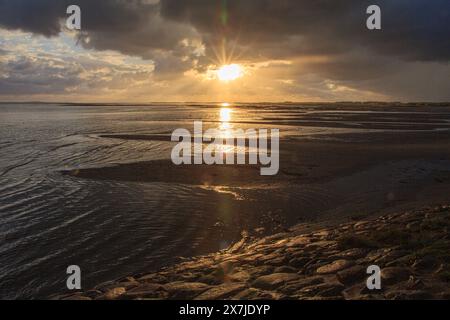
[{"x": 171, "y": 50}]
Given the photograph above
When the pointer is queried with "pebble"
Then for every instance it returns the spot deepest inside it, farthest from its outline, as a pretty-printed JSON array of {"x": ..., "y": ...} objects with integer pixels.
[
  {"x": 352, "y": 274},
  {"x": 394, "y": 275},
  {"x": 335, "y": 266},
  {"x": 292, "y": 265},
  {"x": 185, "y": 290},
  {"x": 272, "y": 281},
  {"x": 221, "y": 292}
]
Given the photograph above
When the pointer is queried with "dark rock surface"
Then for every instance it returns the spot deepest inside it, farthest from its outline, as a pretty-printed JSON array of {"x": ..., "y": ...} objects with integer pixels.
[{"x": 411, "y": 248}]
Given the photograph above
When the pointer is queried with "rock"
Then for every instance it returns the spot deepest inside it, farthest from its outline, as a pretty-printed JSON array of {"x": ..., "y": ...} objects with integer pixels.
[
  {"x": 254, "y": 259},
  {"x": 223, "y": 271},
  {"x": 260, "y": 271},
  {"x": 92, "y": 293},
  {"x": 319, "y": 245},
  {"x": 391, "y": 256},
  {"x": 221, "y": 292},
  {"x": 280, "y": 261},
  {"x": 294, "y": 286},
  {"x": 255, "y": 294},
  {"x": 242, "y": 276},
  {"x": 279, "y": 236},
  {"x": 405, "y": 261},
  {"x": 394, "y": 275},
  {"x": 114, "y": 293},
  {"x": 146, "y": 291},
  {"x": 365, "y": 297},
  {"x": 362, "y": 225},
  {"x": 298, "y": 241},
  {"x": 285, "y": 269},
  {"x": 357, "y": 290},
  {"x": 273, "y": 259},
  {"x": 210, "y": 279},
  {"x": 324, "y": 289},
  {"x": 305, "y": 266},
  {"x": 321, "y": 234},
  {"x": 332, "y": 290},
  {"x": 327, "y": 298},
  {"x": 299, "y": 262},
  {"x": 228, "y": 266},
  {"x": 272, "y": 281},
  {"x": 352, "y": 275},
  {"x": 445, "y": 295},
  {"x": 76, "y": 297},
  {"x": 185, "y": 290},
  {"x": 354, "y": 253},
  {"x": 375, "y": 254},
  {"x": 335, "y": 266},
  {"x": 106, "y": 286},
  {"x": 409, "y": 295},
  {"x": 152, "y": 278},
  {"x": 188, "y": 277}
]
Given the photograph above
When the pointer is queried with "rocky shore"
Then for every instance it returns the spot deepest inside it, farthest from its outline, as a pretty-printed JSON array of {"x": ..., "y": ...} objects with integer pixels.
[{"x": 310, "y": 262}]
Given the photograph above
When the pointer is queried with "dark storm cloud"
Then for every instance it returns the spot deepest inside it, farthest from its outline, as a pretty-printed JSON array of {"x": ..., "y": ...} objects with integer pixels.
[
  {"x": 170, "y": 31},
  {"x": 43, "y": 16},
  {"x": 412, "y": 29},
  {"x": 131, "y": 26}
]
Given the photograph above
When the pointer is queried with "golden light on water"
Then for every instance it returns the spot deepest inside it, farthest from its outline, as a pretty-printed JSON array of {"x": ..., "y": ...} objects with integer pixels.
[
  {"x": 225, "y": 118},
  {"x": 225, "y": 114},
  {"x": 230, "y": 72}
]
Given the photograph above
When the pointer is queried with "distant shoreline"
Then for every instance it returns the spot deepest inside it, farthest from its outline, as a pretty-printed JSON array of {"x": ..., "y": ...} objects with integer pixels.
[{"x": 217, "y": 103}]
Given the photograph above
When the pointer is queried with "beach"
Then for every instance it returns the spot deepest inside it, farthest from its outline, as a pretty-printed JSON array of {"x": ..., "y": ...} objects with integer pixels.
[
  {"x": 217, "y": 150},
  {"x": 381, "y": 172},
  {"x": 309, "y": 262},
  {"x": 94, "y": 186}
]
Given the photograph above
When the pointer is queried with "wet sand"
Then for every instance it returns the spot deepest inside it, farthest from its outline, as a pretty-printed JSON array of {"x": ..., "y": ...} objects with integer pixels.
[
  {"x": 336, "y": 207},
  {"x": 361, "y": 173},
  {"x": 308, "y": 262},
  {"x": 335, "y": 166}
]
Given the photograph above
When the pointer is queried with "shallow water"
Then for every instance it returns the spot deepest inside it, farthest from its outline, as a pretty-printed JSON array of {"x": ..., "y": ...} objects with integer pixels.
[{"x": 110, "y": 229}]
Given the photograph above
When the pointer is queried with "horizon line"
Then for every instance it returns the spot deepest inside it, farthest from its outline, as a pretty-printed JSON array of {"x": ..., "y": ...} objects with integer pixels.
[{"x": 220, "y": 102}]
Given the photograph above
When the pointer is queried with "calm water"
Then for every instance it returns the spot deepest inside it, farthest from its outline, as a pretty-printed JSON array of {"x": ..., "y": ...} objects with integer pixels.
[{"x": 111, "y": 229}]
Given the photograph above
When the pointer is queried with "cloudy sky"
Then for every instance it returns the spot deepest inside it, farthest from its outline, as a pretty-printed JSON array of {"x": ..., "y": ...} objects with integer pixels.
[{"x": 170, "y": 50}]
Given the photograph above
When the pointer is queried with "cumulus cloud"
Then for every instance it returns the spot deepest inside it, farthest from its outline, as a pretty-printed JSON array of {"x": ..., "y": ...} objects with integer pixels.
[{"x": 46, "y": 67}]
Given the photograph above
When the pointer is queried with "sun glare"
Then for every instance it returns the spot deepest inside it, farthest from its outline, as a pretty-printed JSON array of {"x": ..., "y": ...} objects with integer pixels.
[
  {"x": 229, "y": 72},
  {"x": 225, "y": 114}
]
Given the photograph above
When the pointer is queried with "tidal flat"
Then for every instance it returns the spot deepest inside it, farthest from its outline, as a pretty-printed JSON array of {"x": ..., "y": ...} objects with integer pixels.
[{"x": 94, "y": 185}]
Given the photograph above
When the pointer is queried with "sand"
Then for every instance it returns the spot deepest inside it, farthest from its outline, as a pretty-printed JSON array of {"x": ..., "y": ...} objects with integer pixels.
[
  {"x": 335, "y": 180},
  {"x": 359, "y": 173},
  {"x": 320, "y": 263}
]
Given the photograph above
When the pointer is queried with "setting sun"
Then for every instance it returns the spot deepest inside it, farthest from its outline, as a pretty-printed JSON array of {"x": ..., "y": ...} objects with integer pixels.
[
  {"x": 225, "y": 150},
  {"x": 229, "y": 72}
]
